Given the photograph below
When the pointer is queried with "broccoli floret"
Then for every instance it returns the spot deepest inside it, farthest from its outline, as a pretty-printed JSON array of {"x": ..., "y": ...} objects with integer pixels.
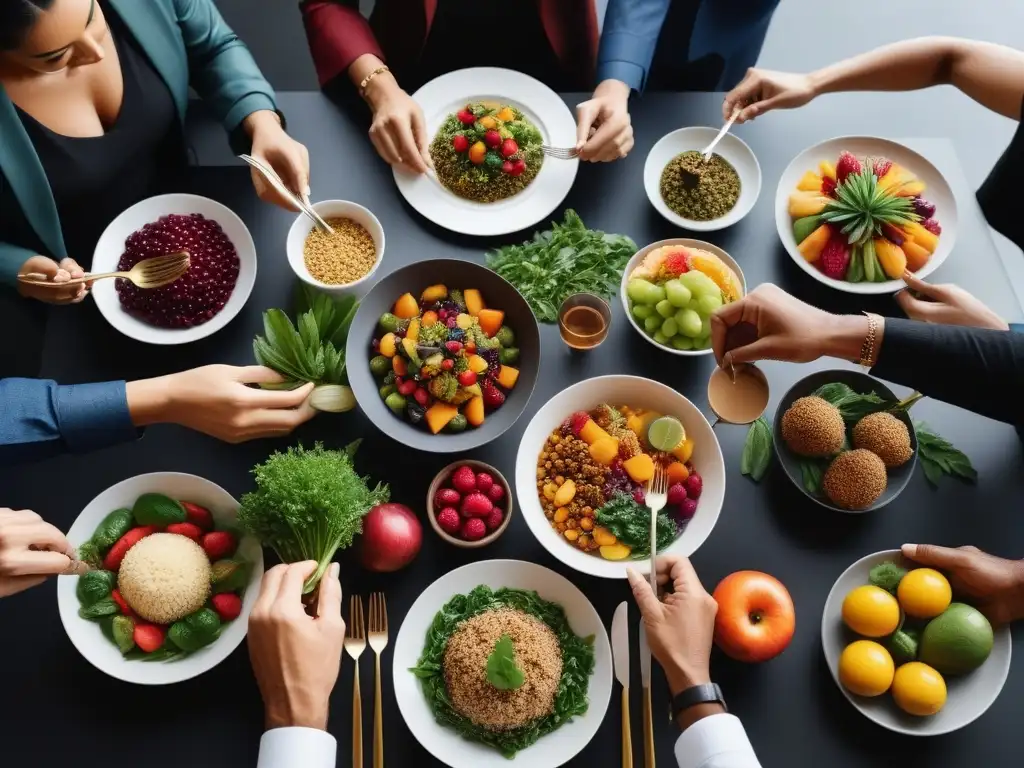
[
  {"x": 605, "y": 416},
  {"x": 505, "y": 336},
  {"x": 434, "y": 335},
  {"x": 455, "y": 295},
  {"x": 443, "y": 387},
  {"x": 481, "y": 339},
  {"x": 390, "y": 378},
  {"x": 461, "y": 364},
  {"x": 887, "y": 575}
]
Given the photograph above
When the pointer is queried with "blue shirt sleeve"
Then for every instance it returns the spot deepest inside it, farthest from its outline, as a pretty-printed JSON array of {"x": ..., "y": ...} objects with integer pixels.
[
  {"x": 628, "y": 40},
  {"x": 39, "y": 418}
]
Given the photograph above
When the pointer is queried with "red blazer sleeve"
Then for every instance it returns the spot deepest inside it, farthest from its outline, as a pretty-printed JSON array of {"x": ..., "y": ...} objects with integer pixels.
[{"x": 338, "y": 34}]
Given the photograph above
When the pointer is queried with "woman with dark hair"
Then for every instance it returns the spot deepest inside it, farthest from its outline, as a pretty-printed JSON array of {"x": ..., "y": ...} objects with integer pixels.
[{"x": 93, "y": 96}]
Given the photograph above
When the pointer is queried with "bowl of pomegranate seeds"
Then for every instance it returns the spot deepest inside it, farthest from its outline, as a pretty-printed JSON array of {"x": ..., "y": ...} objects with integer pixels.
[
  {"x": 469, "y": 504},
  {"x": 220, "y": 277}
]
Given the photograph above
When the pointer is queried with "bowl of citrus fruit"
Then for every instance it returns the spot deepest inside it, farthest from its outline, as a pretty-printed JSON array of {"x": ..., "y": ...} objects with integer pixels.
[{"x": 907, "y": 651}]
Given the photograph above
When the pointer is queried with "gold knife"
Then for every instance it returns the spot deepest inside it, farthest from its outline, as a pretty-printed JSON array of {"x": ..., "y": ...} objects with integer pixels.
[{"x": 645, "y": 679}]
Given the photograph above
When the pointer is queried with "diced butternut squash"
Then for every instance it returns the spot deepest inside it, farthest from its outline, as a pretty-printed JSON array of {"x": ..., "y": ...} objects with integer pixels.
[
  {"x": 810, "y": 182},
  {"x": 387, "y": 345},
  {"x": 406, "y": 306},
  {"x": 571, "y": 534},
  {"x": 565, "y": 493},
  {"x": 549, "y": 491},
  {"x": 917, "y": 255},
  {"x": 911, "y": 188},
  {"x": 927, "y": 240},
  {"x": 429, "y": 318},
  {"x": 604, "y": 451},
  {"x": 413, "y": 331},
  {"x": 439, "y": 414},
  {"x": 603, "y": 537},
  {"x": 685, "y": 451},
  {"x": 815, "y": 243},
  {"x": 561, "y": 515},
  {"x": 640, "y": 468},
  {"x": 463, "y": 321},
  {"x": 591, "y": 433},
  {"x": 400, "y": 367},
  {"x": 474, "y": 301},
  {"x": 474, "y": 412},
  {"x": 615, "y": 552},
  {"x": 827, "y": 169},
  {"x": 506, "y": 115},
  {"x": 434, "y": 293},
  {"x": 639, "y": 421},
  {"x": 891, "y": 257},
  {"x": 488, "y": 123},
  {"x": 507, "y": 376},
  {"x": 477, "y": 364},
  {"x": 677, "y": 472},
  {"x": 807, "y": 204},
  {"x": 490, "y": 320}
]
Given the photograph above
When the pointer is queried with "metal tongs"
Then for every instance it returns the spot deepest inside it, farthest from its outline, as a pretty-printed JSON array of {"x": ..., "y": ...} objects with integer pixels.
[{"x": 282, "y": 189}]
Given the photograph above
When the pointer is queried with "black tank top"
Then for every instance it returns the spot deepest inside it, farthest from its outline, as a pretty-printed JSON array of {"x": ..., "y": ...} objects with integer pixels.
[{"x": 999, "y": 196}]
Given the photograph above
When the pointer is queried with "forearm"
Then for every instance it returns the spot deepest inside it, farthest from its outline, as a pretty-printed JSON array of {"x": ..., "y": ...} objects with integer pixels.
[
  {"x": 12, "y": 257},
  {"x": 338, "y": 35},
  {"x": 628, "y": 40},
  {"x": 378, "y": 87}
]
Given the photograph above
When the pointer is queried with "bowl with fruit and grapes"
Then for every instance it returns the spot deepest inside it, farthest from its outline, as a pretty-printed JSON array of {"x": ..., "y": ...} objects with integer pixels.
[{"x": 671, "y": 288}]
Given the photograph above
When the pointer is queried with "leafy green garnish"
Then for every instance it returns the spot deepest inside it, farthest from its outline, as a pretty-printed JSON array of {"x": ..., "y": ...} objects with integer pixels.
[
  {"x": 567, "y": 259},
  {"x": 757, "y": 450},
  {"x": 631, "y": 524},
  {"x": 577, "y": 666},
  {"x": 95, "y": 586},
  {"x": 887, "y": 575},
  {"x": 812, "y": 472},
  {"x": 502, "y": 671},
  {"x": 939, "y": 457}
]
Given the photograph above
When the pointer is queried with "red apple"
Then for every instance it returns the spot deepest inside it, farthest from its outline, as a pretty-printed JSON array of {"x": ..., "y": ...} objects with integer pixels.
[
  {"x": 756, "y": 618},
  {"x": 391, "y": 538}
]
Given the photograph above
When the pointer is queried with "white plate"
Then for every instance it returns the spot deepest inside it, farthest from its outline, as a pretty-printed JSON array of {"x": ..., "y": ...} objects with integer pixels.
[
  {"x": 446, "y": 745},
  {"x": 731, "y": 147},
  {"x": 686, "y": 242},
  {"x": 637, "y": 393},
  {"x": 542, "y": 106},
  {"x": 937, "y": 191},
  {"x": 968, "y": 696},
  {"x": 86, "y": 635},
  {"x": 110, "y": 248}
]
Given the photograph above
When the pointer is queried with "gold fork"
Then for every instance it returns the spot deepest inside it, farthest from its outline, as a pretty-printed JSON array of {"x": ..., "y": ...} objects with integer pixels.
[
  {"x": 355, "y": 644},
  {"x": 148, "y": 273},
  {"x": 378, "y": 638}
]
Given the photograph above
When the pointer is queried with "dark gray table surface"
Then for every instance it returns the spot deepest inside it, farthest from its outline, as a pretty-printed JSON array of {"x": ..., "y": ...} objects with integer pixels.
[{"x": 60, "y": 709}]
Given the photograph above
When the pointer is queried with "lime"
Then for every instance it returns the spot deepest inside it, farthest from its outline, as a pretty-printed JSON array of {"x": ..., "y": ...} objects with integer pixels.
[{"x": 665, "y": 433}]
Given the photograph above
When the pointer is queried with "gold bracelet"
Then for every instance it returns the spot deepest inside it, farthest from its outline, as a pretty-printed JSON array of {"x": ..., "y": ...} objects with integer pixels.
[
  {"x": 868, "y": 352},
  {"x": 366, "y": 80}
]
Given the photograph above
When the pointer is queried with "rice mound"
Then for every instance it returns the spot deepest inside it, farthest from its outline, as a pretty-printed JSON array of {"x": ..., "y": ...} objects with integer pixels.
[
  {"x": 537, "y": 653},
  {"x": 165, "y": 577}
]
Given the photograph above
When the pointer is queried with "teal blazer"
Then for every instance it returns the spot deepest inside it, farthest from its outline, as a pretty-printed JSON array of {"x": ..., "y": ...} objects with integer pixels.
[{"x": 188, "y": 43}]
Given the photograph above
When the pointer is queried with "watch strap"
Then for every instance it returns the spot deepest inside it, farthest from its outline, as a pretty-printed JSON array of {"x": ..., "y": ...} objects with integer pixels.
[{"x": 706, "y": 693}]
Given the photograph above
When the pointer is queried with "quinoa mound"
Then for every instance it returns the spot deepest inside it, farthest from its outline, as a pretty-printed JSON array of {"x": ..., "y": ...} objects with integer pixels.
[
  {"x": 165, "y": 577},
  {"x": 855, "y": 479},
  {"x": 886, "y": 436},
  {"x": 812, "y": 426},
  {"x": 537, "y": 653}
]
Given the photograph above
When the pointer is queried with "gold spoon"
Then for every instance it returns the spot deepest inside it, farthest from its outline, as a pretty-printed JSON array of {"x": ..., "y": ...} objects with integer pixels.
[{"x": 148, "y": 273}]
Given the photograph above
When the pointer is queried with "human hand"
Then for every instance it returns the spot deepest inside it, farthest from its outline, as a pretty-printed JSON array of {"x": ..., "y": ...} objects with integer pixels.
[
  {"x": 31, "y": 550},
  {"x": 946, "y": 304},
  {"x": 604, "y": 130},
  {"x": 398, "y": 131},
  {"x": 681, "y": 628},
  {"x": 289, "y": 159},
  {"x": 216, "y": 400},
  {"x": 763, "y": 90},
  {"x": 68, "y": 269},
  {"x": 296, "y": 657},
  {"x": 996, "y": 585}
]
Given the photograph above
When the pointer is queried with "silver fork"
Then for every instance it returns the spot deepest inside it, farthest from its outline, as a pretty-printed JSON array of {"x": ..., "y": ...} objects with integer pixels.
[
  {"x": 656, "y": 494},
  {"x": 298, "y": 200},
  {"x": 378, "y": 638},
  {"x": 355, "y": 644},
  {"x": 560, "y": 153}
]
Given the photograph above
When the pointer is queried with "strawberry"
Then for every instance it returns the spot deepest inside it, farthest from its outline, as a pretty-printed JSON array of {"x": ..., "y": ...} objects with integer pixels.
[
  {"x": 188, "y": 530},
  {"x": 453, "y": 347},
  {"x": 509, "y": 147},
  {"x": 484, "y": 482},
  {"x": 449, "y": 520},
  {"x": 893, "y": 234},
  {"x": 460, "y": 143},
  {"x": 578, "y": 421},
  {"x": 694, "y": 485},
  {"x": 828, "y": 186},
  {"x": 676, "y": 494},
  {"x": 198, "y": 515},
  {"x": 882, "y": 166},
  {"x": 228, "y": 605},
  {"x": 447, "y": 364},
  {"x": 932, "y": 226},
  {"x": 117, "y": 552},
  {"x": 493, "y": 397},
  {"x": 218, "y": 545},
  {"x": 495, "y": 493},
  {"x": 835, "y": 258},
  {"x": 463, "y": 479},
  {"x": 508, "y": 166},
  {"x": 447, "y": 497},
  {"x": 847, "y": 165},
  {"x": 476, "y": 504},
  {"x": 466, "y": 117},
  {"x": 492, "y": 138},
  {"x": 421, "y": 396},
  {"x": 122, "y": 603},
  {"x": 494, "y": 520},
  {"x": 149, "y": 637},
  {"x": 473, "y": 529},
  {"x": 518, "y": 167},
  {"x": 467, "y": 378}
]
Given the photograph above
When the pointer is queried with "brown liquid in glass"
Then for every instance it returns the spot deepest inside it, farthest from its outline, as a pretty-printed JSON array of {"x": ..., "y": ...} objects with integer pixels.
[{"x": 583, "y": 327}]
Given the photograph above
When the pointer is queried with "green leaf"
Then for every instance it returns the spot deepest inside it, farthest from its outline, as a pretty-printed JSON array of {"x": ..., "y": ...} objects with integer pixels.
[
  {"x": 113, "y": 527},
  {"x": 811, "y": 474},
  {"x": 631, "y": 524},
  {"x": 757, "y": 450},
  {"x": 157, "y": 509},
  {"x": 104, "y": 607},
  {"x": 195, "y": 631},
  {"x": 122, "y": 630},
  {"x": 939, "y": 457},
  {"x": 229, "y": 575},
  {"x": 95, "y": 586},
  {"x": 502, "y": 671}
]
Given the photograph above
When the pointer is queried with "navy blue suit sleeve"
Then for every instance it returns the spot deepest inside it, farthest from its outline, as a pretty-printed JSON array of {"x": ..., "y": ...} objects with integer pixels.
[{"x": 628, "y": 40}]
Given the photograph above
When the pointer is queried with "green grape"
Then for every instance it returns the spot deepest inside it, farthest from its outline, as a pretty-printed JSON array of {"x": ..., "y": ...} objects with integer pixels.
[
  {"x": 705, "y": 326},
  {"x": 652, "y": 323},
  {"x": 665, "y": 308},
  {"x": 657, "y": 293},
  {"x": 690, "y": 280},
  {"x": 669, "y": 327},
  {"x": 704, "y": 342},
  {"x": 637, "y": 289},
  {"x": 641, "y": 311},
  {"x": 660, "y": 337},
  {"x": 709, "y": 302},
  {"x": 682, "y": 342},
  {"x": 677, "y": 293},
  {"x": 690, "y": 323}
]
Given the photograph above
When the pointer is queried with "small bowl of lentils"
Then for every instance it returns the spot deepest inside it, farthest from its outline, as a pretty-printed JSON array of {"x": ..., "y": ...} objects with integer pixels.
[
  {"x": 697, "y": 194},
  {"x": 339, "y": 263}
]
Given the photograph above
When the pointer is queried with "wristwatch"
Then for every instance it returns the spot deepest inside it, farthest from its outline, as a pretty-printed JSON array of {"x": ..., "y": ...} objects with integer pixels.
[{"x": 707, "y": 693}]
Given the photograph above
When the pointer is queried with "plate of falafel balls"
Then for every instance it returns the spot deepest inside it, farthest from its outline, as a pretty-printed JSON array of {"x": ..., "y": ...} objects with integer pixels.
[{"x": 846, "y": 440}]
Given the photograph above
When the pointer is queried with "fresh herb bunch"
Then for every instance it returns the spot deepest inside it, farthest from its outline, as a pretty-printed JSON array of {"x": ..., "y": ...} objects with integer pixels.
[
  {"x": 308, "y": 504},
  {"x": 567, "y": 259},
  {"x": 631, "y": 524},
  {"x": 939, "y": 457},
  {"x": 502, "y": 671},
  {"x": 577, "y": 666},
  {"x": 757, "y": 450},
  {"x": 862, "y": 207}
]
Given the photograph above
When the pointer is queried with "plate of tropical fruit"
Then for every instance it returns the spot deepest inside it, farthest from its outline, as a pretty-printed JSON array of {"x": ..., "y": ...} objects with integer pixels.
[
  {"x": 909, "y": 652},
  {"x": 856, "y": 213}
]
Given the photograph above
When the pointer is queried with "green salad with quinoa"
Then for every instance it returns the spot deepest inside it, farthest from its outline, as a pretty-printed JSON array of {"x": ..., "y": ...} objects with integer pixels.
[{"x": 487, "y": 152}]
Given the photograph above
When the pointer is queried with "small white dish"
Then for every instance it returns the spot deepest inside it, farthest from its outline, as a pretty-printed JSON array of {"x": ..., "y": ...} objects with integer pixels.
[
  {"x": 731, "y": 147},
  {"x": 110, "y": 248},
  {"x": 558, "y": 747},
  {"x": 87, "y": 636},
  {"x": 542, "y": 106},
  {"x": 637, "y": 393},
  {"x": 968, "y": 696},
  {"x": 327, "y": 209},
  {"x": 937, "y": 191},
  {"x": 638, "y": 258}
]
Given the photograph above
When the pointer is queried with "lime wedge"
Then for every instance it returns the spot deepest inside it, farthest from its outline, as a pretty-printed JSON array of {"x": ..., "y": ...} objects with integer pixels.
[{"x": 665, "y": 433}]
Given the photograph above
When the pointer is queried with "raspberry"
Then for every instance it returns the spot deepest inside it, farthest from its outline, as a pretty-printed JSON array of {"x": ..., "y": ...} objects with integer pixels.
[
  {"x": 449, "y": 520},
  {"x": 639, "y": 496},
  {"x": 496, "y": 493},
  {"x": 578, "y": 421},
  {"x": 932, "y": 226},
  {"x": 447, "y": 497},
  {"x": 687, "y": 509},
  {"x": 476, "y": 504},
  {"x": 846, "y": 166},
  {"x": 463, "y": 479},
  {"x": 453, "y": 347},
  {"x": 882, "y": 167},
  {"x": 494, "y": 519},
  {"x": 484, "y": 482},
  {"x": 694, "y": 485},
  {"x": 473, "y": 529},
  {"x": 676, "y": 494}
]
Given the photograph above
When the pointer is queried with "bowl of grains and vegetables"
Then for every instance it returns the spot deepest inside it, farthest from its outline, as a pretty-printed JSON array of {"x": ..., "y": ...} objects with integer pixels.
[
  {"x": 696, "y": 194},
  {"x": 341, "y": 263}
]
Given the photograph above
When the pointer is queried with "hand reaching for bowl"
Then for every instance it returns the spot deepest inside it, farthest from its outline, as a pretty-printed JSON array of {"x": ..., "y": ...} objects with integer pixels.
[
  {"x": 31, "y": 550},
  {"x": 399, "y": 130},
  {"x": 604, "y": 131},
  {"x": 996, "y": 585},
  {"x": 946, "y": 304},
  {"x": 763, "y": 90}
]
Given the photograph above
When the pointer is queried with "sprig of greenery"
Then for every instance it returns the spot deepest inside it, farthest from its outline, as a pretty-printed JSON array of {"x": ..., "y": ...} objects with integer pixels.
[
  {"x": 939, "y": 457},
  {"x": 631, "y": 524},
  {"x": 757, "y": 450},
  {"x": 502, "y": 671}
]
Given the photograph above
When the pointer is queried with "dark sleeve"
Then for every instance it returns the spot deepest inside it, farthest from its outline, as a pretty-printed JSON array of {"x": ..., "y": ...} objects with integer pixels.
[{"x": 976, "y": 369}]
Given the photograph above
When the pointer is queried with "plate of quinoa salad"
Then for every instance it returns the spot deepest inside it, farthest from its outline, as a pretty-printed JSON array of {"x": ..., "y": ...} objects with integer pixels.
[
  {"x": 485, "y": 127},
  {"x": 220, "y": 277},
  {"x": 499, "y": 660},
  {"x": 584, "y": 463}
]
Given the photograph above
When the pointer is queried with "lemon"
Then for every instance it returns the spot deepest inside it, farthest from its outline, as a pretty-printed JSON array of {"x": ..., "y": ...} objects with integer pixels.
[
  {"x": 924, "y": 593},
  {"x": 918, "y": 689},
  {"x": 665, "y": 433},
  {"x": 865, "y": 668},
  {"x": 871, "y": 611}
]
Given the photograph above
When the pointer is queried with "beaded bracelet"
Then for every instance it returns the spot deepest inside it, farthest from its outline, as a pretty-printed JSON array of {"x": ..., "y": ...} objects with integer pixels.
[
  {"x": 366, "y": 80},
  {"x": 868, "y": 351}
]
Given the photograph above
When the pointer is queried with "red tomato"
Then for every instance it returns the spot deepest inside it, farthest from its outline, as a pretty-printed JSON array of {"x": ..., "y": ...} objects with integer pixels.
[
  {"x": 756, "y": 618},
  {"x": 466, "y": 117},
  {"x": 509, "y": 147},
  {"x": 508, "y": 166},
  {"x": 518, "y": 167},
  {"x": 492, "y": 139},
  {"x": 460, "y": 143}
]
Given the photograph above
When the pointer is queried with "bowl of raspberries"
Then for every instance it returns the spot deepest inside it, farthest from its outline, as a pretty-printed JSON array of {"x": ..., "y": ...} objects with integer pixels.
[{"x": 469, "y": 504}]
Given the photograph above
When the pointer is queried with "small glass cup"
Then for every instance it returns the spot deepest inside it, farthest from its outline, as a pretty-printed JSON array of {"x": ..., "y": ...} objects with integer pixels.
[{"x": 584, "y": 320}]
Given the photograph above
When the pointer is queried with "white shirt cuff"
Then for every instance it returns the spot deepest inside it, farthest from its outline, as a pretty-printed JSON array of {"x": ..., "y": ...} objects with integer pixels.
[
  {"x": 718, "y": 741},
  {"x": 297, "y": 748}
]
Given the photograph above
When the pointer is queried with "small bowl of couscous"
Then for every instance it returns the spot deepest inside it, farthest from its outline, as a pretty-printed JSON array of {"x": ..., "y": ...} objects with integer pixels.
[{"x": 344, "y": 262}]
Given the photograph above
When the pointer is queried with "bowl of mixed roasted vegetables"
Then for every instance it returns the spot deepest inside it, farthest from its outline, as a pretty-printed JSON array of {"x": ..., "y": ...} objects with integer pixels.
[{"x": 451, "y": 350}]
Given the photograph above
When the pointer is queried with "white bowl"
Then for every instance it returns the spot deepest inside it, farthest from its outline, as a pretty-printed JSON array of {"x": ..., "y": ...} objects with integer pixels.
[
  {"x": 638, "y": 393},
  {"x": 327, "y": 209},
  {"x": 558, "y": 747},
  {"x": 968, "y": 696},
  {"x": 639, "y": 256},
  {"x": 110, "y": 247},
  {"x": 938, "y": 191},
  {"x": 731, "y": 147},
  {"x": 87, "y": 636}
]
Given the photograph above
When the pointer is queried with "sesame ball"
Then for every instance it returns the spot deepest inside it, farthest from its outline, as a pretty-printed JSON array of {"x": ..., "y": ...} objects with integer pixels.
[
  {"x": 165, "y": 577},
  {"x": 855, "y": 479},
  {"x": 885, "y": 435},
  {"x": 812, "y": 426}
]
